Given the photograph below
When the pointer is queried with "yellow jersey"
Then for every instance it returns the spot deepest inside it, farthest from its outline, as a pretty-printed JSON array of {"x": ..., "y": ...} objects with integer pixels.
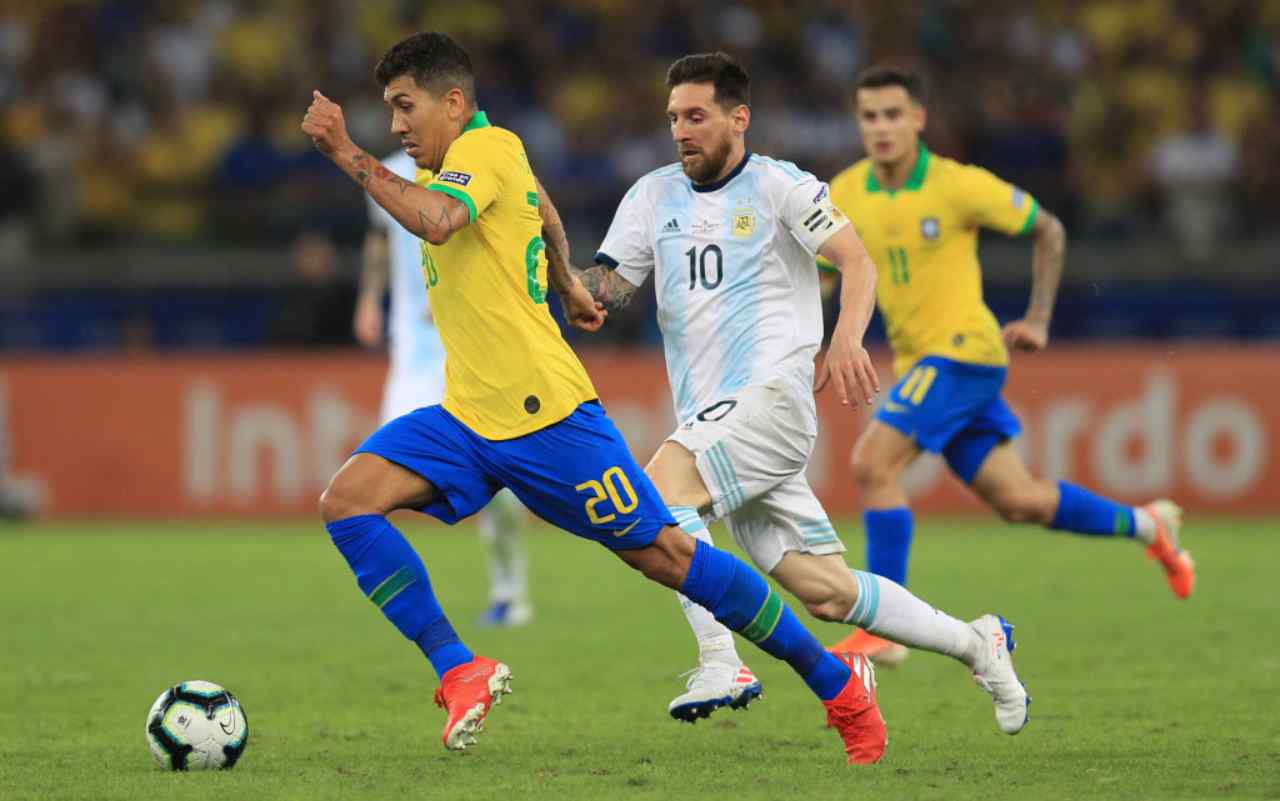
[
  {"x": 508, "y": 371},
  {"x": 924, "y": 241}
]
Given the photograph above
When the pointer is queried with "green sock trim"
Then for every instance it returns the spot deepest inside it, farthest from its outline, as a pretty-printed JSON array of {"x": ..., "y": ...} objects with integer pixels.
[
  {"x": 766, "y": 620},
  {"x": 392, "y": 586}
]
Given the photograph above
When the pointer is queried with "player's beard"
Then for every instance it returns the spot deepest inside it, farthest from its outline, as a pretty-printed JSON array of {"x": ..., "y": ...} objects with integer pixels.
[{"x": 711, "y": 164}]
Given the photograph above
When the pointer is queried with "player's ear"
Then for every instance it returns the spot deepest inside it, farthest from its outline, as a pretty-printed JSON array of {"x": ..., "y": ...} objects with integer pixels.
[
  {"x": 456, "y": 101},
  {"x": 741, "y": 119},
  {"x": 921, "y": 116}
]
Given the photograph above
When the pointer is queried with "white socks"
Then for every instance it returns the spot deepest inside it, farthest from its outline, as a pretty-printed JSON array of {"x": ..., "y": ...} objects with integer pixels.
[
  {"x": 1144, "y": 525},
  {"x": 501, "y": 524},
  {"x": 715, "y": 641},
  {"x": 886, "y": 609}
]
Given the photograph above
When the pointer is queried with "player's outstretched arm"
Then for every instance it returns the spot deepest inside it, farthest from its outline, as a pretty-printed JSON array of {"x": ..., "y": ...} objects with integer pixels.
[
  {"x": 1031, "y": 333},
  {"x": 433, "y": 216},
  {"x": 848, "y": 365},
  {"x": 580, "y": 309}
]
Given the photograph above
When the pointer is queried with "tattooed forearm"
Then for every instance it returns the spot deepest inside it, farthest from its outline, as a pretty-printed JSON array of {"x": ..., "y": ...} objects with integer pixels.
[
  {"x": 559, "y": 270},
  {"x": 1046, "y": 267},
  {"x": 433, "y": 216},
  {"x": 607, "y": 287},
  {"x": 368, "y": 169},
  {"x": 435, "y": 228}
]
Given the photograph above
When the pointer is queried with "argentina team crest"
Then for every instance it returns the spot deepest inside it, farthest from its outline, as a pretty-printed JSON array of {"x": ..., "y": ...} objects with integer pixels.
[
  {"x": 744, "y": 222},
  {"x": 930, "y": 228}
]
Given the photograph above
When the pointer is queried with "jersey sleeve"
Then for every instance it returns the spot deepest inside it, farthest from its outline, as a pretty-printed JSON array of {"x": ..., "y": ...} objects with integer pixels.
[
  {"x": 988, "y": 202},
  {"x": 628, "y": 247},
  {"x": 809, "y": 213},
  {"x": 470, "y": 174}
]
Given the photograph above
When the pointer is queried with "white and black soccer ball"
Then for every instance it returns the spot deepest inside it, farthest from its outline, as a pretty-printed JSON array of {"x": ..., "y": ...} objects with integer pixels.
[{"x": 197, "y": 725}]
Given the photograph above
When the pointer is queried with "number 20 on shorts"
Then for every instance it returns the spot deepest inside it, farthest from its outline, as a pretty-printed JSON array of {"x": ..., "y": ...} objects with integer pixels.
[{"x": 614, "y": 486}]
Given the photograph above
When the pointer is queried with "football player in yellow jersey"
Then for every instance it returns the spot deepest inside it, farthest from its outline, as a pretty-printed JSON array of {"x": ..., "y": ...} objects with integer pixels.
[
  {"x": 519, "y": 410},
  {"x": 919, "y": 215}
]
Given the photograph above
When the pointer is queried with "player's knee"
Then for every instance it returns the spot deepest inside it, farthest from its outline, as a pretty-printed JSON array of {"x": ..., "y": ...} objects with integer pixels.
[
  {"x": 337, "y": 502},
  {"x": 870, "y": 473}
]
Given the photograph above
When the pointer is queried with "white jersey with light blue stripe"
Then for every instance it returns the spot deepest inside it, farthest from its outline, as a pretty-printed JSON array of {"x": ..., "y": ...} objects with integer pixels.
[
  {"x": 415, "y": 344},
  {"x": 734, "y": 270}
]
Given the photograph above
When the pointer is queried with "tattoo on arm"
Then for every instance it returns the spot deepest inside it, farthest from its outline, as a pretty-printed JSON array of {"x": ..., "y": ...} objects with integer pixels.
[
  {"x": 429, "y": 215},
  {"x": 443, "y": 223},
  {"x": 607, "y": 287},
  {"x": 368, "y": 169},
  {"x": 559, "y": 270}
]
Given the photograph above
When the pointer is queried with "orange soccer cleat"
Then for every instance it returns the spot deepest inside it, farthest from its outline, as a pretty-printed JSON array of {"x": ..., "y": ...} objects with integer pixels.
[
  {"x": 856, "y": 715},
  {"x": 1179, "y": 569},
  {"x": 885, "y": 653},
  {"x": 467, "y": 692}
]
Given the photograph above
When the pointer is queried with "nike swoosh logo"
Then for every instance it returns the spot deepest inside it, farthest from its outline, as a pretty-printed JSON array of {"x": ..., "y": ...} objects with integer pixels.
[
  {"x": 228, "y": 727},
  {"x": 623, "y": 533},
  {"x": 894, "y": 408}
]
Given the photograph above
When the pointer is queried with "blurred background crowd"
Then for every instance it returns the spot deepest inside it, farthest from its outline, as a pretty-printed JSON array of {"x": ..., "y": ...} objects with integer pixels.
[{"x": 158, "y": 193}]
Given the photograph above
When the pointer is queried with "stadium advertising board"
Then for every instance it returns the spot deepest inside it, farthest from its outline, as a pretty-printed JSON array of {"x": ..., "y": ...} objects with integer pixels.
[{"x": 260, "y": 435}]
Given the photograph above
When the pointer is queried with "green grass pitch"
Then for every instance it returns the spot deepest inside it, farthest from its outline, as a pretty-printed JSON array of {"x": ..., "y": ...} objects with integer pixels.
[{"x": 1136, "y": 695}]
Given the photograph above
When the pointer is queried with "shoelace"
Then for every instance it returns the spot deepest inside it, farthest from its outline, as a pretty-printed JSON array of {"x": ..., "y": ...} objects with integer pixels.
[{"x": 696, "y": 673}]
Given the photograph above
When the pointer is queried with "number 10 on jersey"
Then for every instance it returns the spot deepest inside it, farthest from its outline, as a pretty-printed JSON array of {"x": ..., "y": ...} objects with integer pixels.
[{"x": 706, "y": 268}]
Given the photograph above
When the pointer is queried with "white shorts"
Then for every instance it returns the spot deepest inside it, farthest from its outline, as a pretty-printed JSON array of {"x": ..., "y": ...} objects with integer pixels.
[
  {"x": 751, "y": 449},
  {"x": 408, "y": 389}
]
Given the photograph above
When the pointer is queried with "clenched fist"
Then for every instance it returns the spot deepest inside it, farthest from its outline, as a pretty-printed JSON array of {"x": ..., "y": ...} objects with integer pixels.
[{"x": 324, "y": 123}]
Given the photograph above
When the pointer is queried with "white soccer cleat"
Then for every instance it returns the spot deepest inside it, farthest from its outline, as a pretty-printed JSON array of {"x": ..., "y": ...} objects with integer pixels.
[
  {"x": 994, "y": 673},
  {"x": 714, "y": 685}
]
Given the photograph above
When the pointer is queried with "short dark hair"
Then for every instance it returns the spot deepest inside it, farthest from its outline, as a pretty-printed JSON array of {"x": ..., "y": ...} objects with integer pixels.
[
  {"x": 879, "y": 76},
  {"x": 733, "y": 85},
  {"x": 436, "y": 62}
]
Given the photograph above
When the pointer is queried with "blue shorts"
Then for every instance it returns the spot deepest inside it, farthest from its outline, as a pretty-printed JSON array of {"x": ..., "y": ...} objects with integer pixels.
[
  {"x": 577, "y": 474},
  {"x": 952, "y": 408}
]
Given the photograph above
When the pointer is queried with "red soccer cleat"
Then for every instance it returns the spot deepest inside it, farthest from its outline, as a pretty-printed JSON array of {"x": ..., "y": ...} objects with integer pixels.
[
  {"x": 466, "y": 692},
  {"x": 856, "y": 715},
  {"x": 885, "y": 653},
  {"x": 1177, "y": 564}
]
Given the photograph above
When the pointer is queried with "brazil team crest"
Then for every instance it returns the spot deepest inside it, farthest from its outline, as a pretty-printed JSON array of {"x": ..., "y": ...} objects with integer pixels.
[{"x": 744, "y": 222}]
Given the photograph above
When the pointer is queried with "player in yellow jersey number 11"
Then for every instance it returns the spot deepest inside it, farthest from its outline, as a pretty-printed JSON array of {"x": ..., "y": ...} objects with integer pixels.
[{"x": 923, "y": 212}]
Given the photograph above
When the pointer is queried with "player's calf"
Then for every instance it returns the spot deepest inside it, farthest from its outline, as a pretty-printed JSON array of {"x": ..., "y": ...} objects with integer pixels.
[
  {"x": 666, "y": 560},
  {"x": 1033, "y": 501},
  {"x": 823, "y": 584}
]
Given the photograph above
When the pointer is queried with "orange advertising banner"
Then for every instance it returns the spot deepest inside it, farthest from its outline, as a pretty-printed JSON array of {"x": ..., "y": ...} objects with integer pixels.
[{"x": 262, "y": 434}]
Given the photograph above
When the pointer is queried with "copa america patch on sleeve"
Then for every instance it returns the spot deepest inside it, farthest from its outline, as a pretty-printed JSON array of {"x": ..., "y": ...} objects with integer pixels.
[{"x": 455, "y": 177}]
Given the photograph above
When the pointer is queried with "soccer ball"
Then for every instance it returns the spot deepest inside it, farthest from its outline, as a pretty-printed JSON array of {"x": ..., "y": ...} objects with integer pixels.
[{"x": 197, "y": 725}]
